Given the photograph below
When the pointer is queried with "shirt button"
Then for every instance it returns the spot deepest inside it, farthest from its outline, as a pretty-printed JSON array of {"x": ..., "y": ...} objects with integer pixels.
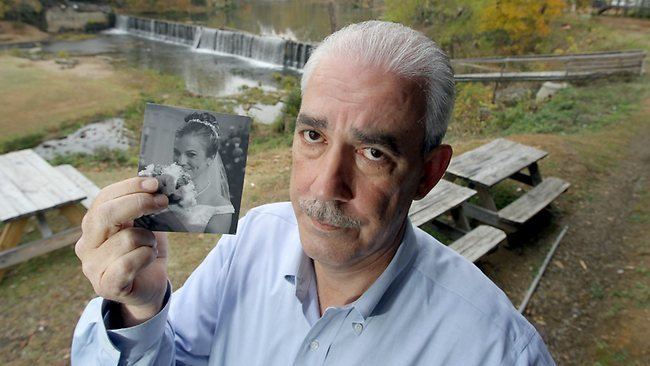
[
  {"x": 314, "y": 345},
  {"x": 358, "y": 328}
]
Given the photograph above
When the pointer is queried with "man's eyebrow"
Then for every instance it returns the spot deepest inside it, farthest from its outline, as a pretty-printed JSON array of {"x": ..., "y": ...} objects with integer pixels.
[
  {"x": 382, "y": 139},
  {"x": 314, "y": 122}
]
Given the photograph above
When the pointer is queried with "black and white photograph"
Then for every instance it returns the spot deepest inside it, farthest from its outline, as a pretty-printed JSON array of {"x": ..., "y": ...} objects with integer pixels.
[{"x": 199, "y": 160}]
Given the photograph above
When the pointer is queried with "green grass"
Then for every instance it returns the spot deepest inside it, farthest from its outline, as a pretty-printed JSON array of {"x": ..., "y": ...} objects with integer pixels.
[
  {"x": 609, "y": 355},
  {"x": 573, "y": 109}
]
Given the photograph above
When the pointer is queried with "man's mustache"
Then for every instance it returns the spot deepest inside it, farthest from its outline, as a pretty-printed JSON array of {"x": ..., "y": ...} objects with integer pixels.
[{"x": 328, "y": 212}]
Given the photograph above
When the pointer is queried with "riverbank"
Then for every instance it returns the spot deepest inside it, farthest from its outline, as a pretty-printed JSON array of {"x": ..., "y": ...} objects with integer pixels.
[{"x": 15, "y": 33}]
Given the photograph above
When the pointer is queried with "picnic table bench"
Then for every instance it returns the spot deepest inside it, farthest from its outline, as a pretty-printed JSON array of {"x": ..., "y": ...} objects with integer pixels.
[
  {"x": 448, "y": 197},
  {"x": 492, "y": 163},
  {"x": 31, "y": 187}
]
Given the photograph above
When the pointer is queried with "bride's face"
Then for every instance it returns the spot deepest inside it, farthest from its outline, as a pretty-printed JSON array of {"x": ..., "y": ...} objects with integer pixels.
[{"x": 190, "y": 154}]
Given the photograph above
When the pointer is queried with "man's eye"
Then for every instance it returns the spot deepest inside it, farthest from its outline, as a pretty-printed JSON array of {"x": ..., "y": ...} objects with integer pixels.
[
  {"x": 373, "y": 154},
  {"x": 312, "y": 136}
]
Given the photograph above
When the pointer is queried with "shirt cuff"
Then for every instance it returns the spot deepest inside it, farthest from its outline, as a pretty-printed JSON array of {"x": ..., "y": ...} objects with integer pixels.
[{"x": 134, "y": 341}]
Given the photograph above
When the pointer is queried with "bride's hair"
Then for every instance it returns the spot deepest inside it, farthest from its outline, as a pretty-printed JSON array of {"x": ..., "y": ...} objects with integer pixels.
[{"x": 202, "y": 125}]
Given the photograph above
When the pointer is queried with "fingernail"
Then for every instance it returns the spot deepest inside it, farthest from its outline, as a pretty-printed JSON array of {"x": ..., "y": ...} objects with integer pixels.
[
  {"x": 150, "y": 184},
  {"x": 160, "y": 200}
]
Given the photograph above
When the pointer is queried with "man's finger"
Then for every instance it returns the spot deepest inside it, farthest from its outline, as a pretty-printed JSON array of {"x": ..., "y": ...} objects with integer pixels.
[
  {"x": 117, "y": 280},
  {"x": 126, "y": 187},
  {"x": 108, "y": 218},
  {"x": 125, "y": 241}
]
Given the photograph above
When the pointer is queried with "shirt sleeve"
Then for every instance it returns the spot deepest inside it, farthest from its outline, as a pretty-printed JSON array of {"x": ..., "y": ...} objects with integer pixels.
[
  {"x": 181, "y": 333},
  {"x": 535, "y": 353}
]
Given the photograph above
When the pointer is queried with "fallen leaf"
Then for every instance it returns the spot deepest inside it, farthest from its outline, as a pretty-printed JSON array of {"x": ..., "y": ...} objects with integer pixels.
[{"x": 583, "y": 264}]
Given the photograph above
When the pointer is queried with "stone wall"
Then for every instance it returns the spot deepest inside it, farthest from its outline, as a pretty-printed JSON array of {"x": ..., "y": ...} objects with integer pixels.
[{"x": 66, "y": 18}]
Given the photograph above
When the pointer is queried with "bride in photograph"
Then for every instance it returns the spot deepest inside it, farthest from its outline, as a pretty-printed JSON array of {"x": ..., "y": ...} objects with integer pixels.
[{"x": 196, "y": 183}]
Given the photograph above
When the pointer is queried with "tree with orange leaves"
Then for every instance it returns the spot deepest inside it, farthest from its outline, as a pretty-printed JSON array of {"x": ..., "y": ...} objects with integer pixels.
[{"x": 516, "y": 26}]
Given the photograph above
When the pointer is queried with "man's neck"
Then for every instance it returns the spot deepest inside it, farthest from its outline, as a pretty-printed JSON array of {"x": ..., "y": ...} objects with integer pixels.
[{"x": 339, "y": 286}]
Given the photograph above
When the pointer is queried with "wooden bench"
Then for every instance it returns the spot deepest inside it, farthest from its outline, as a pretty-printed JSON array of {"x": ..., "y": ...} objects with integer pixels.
[
  {"x": 531, "y": 203},
  {"x": 478, "y": 242},
  {"x": 30, "y": 187},
  {"x": 450, "y": 197},
  {"x": 523, "y": 208},
  {"x": 445, "y": 196}
]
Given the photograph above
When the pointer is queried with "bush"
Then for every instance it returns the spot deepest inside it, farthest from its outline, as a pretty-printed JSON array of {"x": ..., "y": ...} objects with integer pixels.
[
  {"x": 22, "y": 142},
  {"x": 287, "y": 121}
]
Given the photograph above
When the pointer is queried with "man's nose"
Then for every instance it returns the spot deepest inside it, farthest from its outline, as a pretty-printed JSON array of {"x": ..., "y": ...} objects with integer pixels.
[{"x": 333, "y": 176}]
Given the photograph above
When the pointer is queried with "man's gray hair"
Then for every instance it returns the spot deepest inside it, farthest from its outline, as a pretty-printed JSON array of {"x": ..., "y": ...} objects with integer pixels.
[{"x": 404, "y": 52}]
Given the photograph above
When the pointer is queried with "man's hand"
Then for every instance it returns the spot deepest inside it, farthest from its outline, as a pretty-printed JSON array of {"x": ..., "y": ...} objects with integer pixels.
[{"x": 125, "y": 264}]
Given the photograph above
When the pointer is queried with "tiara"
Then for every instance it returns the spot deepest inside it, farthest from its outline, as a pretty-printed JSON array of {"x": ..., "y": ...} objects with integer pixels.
[{"x": 210, "y": 125}]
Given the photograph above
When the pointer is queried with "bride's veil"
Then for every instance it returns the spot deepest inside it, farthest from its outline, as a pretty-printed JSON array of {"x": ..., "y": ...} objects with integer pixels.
[{"x": 219, "y": 175}]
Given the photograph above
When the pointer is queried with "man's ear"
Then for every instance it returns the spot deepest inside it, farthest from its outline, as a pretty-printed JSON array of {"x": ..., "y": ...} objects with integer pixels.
[{"x": 435, "y": 165}]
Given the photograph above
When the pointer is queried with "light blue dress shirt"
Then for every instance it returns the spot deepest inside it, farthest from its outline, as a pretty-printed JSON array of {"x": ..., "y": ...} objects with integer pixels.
[{"x": 253, "y": 301}]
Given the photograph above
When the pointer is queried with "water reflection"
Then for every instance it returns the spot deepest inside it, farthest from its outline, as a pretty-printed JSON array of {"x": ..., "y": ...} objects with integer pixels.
[{"x": 203, "y": 73}]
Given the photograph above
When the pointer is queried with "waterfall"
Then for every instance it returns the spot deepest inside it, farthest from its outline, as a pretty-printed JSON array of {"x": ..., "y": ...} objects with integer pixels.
[
  {"x": 242, "y": 44},
  {"x": 121, "y": 22},
  {"x": 273, "y": 50}
]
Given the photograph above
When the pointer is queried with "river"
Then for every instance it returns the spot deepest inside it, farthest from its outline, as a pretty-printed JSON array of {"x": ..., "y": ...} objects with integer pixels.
[{"x": 216, "y": 73}]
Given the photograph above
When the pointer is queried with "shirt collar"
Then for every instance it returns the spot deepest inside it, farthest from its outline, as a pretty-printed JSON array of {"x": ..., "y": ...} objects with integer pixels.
[{"x": 296, "y": 264}]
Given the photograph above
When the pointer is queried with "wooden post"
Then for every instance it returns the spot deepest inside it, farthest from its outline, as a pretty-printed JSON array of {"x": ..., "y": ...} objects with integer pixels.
[
  {"x": 485, "y": 198},
  {"x": 11, "y": 235},
  {"x": 460, "y": 220},
  {"x": 74, "y": 213},
  {"x": 535, "y": 175}
]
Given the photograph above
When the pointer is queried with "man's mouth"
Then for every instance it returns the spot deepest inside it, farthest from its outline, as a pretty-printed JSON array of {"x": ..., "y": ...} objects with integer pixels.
[{"x": 322, "y": 225}]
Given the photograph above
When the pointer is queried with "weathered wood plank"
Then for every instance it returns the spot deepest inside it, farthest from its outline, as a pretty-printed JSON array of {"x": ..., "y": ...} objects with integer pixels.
[
  {"x": 81, "y": 181},
  {"x": 443, "y": 197},
  {"x": 62, "y": 184},
  {"x": 29, "y": 181},
  {"x": 39, "y": 182},
  {"x": 13, "y": 203},
  {"x": 493, "y": 162},
  {"x": 533, "y": 201},
  {"x": 27, "y": 251},
  {"x": 478, "y": 242}
]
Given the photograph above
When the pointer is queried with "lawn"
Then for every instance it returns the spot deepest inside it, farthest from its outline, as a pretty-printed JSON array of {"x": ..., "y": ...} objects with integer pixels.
[{"x": 38, "y": 97}]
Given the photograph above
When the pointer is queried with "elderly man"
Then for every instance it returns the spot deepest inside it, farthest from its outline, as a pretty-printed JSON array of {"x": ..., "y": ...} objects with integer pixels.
[{"x": 339, "y": 276}]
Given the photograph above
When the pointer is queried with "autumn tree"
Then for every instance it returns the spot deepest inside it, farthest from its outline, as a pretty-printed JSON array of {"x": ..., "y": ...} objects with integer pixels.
[
  {"x": 451, "y": 23},
  {"x": 517, "y": 26}
]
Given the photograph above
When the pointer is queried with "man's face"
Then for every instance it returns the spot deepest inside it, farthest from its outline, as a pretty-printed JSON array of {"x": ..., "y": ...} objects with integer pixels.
[{"x": 356, "y": 151}]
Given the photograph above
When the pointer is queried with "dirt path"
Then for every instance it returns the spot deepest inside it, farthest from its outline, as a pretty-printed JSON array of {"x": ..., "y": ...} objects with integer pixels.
[{"x": 593, "y": 306}]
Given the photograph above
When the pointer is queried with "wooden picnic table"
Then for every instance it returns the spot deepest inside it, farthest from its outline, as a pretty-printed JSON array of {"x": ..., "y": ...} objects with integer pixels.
[
  {"x": 31, "y": 187},
  {"x": 448, "y": 197},
  {"x": 492, "y": 163}
]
